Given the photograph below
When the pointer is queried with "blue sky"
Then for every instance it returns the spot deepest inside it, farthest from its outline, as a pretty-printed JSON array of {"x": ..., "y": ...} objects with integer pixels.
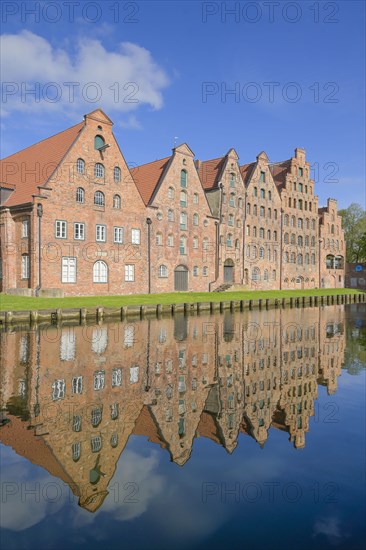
[{"x": 297, "y": 69}]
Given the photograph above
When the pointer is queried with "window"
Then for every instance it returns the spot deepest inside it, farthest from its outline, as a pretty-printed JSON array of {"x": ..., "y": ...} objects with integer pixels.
[
  {"x": 300, "y": 223},
  {"x": 96, "y": 444},
  {"x": 195, "y": 242},
  {"x": 98, "y": 142},
  {"x": 67, "y": 345},
  {"x": 117, "y": 174},
  {"x": 79, "y": 231},
  {"x": 25, "y": 228},
  {"x": 254, "y": 231},
  {"x": 275, "y": 235},
  {"x": 263, "y": 176},
  {"x": 205, "y": 271},
  {"x": 183, "y": 198},
  {"x": 269, "y": 195},
  {"x": 118, "y": 235},
  {"x": 68, "y": 270},
  {"x": 195, "y": 271},
  {"x": 231, "y": 220},
  {"x": 285, "y": 238},
  {"x": 248, "y": 208},
  {"x": 255, "y": 191},
  {"x": 195, "y": 198},
  {"x": 58, "y": 389},
  {"x": 135, "y": 236},
  {"x": 98, "y": 170},
  {"x": 237, "y": 244},
  {"x": 261, "y": 253},
  {"x": 299, "y": 259},
  {"x": 275, "y": 255},
  {"x": 77, "y": 385},
  {"x": 274, "y": 274},
  {"x": 183, "y": 179},
  {"x": 255, "y": 210},
  {"x": 159, "y": 239},
  {"x": 292, "y": 257},
  {"x": 300, "y": 240},
  {"x": 301, "y": 172},
  {"x": 134, "y": 374},
  {"x": 285, "y": 220},
  {"x": 300, "y": 187},
  {"x": 261, "y": 233},
  {"x": 116, "y": 377},
  {"x": 183, "y": 221},
  {"x": 313, "y": 259},
  {"x": 80, "y": 195},
  {"x": 275, "y": 213},
  {"x": 129, "y": 273},
  {"x": 262, "y": 212},
  {"x": 25, "y": 266},
  {"x": 114, "y": 411},
  {"x": 263, "y": 194},
  {"x": 170, "y": 193},
  {"x": 229, "y": 240},
  {"x": 170, "y": 216},
  {"x": 183, "y": 245},
  {"x": 240, "y": 203},
  {"x": 100, "y": 233},
  {"x": 256, "y": 275},
  {"x": 76, "y": 451},
  {"x": 285, "y": 257},
  {"x": 80, "y": 166},
  {"x": 232, "y": 199},
  {"x": 195, "y": 219},
  {"x": 99, "y": 198},
  {"x": 232, "y": 180},
  {"x": 100, "y": 272},
  {"x": 266, "y": 275},
  {"x": 61, "y": 230},
  {"x": 117, "y": 202},
  {"x": 76, "y": 423},
  {"x": 170, "y": 240},
  {"x": 205, "y": 243},
  {"x": 163, "y": 271}
]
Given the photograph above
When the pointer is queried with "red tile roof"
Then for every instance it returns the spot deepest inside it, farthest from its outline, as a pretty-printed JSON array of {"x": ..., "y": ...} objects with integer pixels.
[
  {"x": 209, "y": 172},
  {"x": 246, "y": 171},
  {"x": 279, "y": 171},
  {"x": 147, "y": 177},
  {"x": 32, "y": 167}
]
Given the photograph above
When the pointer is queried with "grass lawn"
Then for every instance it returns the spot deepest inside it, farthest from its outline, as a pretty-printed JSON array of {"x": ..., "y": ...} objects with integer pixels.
[{"x": 17, "y": 303}]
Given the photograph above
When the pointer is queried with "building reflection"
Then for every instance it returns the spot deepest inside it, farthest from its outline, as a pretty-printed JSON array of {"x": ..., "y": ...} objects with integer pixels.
[{"x": 72, "y": 396}]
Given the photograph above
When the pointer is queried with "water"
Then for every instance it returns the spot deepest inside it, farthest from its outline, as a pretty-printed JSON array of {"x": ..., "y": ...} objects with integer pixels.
[{"x": 242, "y": 430}]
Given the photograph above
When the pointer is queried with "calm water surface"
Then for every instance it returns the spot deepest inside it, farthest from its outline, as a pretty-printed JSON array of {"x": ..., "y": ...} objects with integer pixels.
[{"x": 242, "y": 430}]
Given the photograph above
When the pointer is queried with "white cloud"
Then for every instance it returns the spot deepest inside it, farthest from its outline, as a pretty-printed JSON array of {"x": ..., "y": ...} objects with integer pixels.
[{"x": 121, "y": 80}]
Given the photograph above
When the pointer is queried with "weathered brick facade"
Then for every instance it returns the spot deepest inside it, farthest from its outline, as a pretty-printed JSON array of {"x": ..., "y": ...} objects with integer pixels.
[{"x": 75, "y": 221}]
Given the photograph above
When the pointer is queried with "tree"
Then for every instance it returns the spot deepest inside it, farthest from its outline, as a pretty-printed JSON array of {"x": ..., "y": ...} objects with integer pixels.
[{"x": 354, "y": 225}]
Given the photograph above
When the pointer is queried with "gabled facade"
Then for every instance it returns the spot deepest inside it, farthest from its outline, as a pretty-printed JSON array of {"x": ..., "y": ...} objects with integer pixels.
[
  {"x": 181, "y": 227},
  {"x": 262, "y": 226}
]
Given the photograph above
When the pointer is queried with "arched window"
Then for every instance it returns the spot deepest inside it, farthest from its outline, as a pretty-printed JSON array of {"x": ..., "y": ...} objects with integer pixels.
[
  {"x": 269, "y": 234},
  {"x": 171, "y": 193},
  {"x": 265, "y": 275},
  {"x": 195, "y": 242},
  {"x": 163, "y": 271},
  {"x": 299, "y": 223},
  {"x": 183, "y": 221},
  {"x": 292, "y": 257},
  {"x": 307, "y": 223},
  {"x": 170, "y": 215},
  {"x": 248, "y": 208},
  {"x": 98, "y": 142},
  {"x": 285, "y": 257},
  {"x": 205, "y": 243},
  {"x": 76, "y": 451},
  {"x": 195, "y": 198},
  {"x": 183, "y": 178},
  {"x": 275, "y": 235},
  {"x": 275, "y": 255},
  {"x": 248, "y": 251},
  {"x": 100, "y": 272},
  {"x": 159, "y": 239},
  {"x": 306, "y": 240},
  {"x": 99, "y": 198},
  {"x": 269, "y": 195},
  {"x": 98, "y": 170},
  {"x": 195, "y": 219},
  {"x": 261, "y": 253},
  {"x": 312, "y": 241},
  {"x": 80, "y": 195},
  {"x": 285, "y": 221},
  {"x": 274, "y": 274},
  {"x": 255, "y": 191},
  {"x": 80, "y": 166},
  {"x": 229, "y": 240},
  {"x": 263, "y": 194},
  {"x": 293, "y": 221},
  {"x": 262, "y": 212},
  {"x": 232, "y": 180},
  {"x": 232, "y": 199},
  {"x": 170, "y": 240},
  {"x": 313, "y": 259},
  {"x": 307, "y": 259},
  {"x": 261, "y": 233},
  {"x": 240, "y": 203},
  {"x": 285, "y": 238},
  {"x": 299, "y": 240},
  {"x": 299, "y": 259},
  {"x": 269, "y": 213},
  {"x": 117, "y": 174},
  {"x": 205, "y": 271},
  {"x": 116, "y": 201},
  {"x": 293, "y": 238},
  {"x": 254, "y": 231},
  {"x": 183, "y": 198},
  {"x": 255, "y": 210},
  {"x": 183, "y": 245},
  {"x": 237, "y": 244},
  {"x": 275, "y": 213},
  {"x": 254, "y": 251},
  {"x": 269, "y": 254}
]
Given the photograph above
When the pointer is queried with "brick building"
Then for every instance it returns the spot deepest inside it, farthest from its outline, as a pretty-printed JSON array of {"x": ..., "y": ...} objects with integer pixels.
[{"x": 74, "y": 220}]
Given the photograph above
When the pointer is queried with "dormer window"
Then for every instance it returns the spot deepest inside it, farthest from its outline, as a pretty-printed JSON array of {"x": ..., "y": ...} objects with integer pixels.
[{"x": 98, "y": 142}]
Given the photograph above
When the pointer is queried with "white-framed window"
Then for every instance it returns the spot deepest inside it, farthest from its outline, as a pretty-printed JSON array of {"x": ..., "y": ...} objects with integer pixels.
[
  {"x": 25, "y": 266},
  {"x": 101, "y": 233},
  {"x": 135, "y": 236},
  {"x": 195, "y": 198},
  {"x": 76, "y": 451},
  {"x": 58, "y": 389},
  {"x": 68, "y": 269},
  {"x": 183, "y": 245},
  {"x": 100, "y": 272},
  {"x": 170, "y": 215},
  {"x": 117, "y": 202},
  {"x": 25, "y": 228},
  {"x": 195, "y": 242},
  {"x": 99, "y": 198},
  {"x": 183, "y": 198},
  {"x": 99, "y": 340},
  {"x": 118, "y": 235},
  {"x": 76, "y": 423},
  {"x": 60, "y": 229},
  {"x": 205, "y": 271},
  {"x": 134, "y": 374},
  {"x": 170, "y": 193},
  {"x": 129, "y": 273},
  {"x": 170, "y": 240},
  {"x": 183, "y": 221},
  {"x": 195, "y": 271},
  {"x": 163, "y": 271},
  {"x": 96, "y": 444},
  {"x": 195, "y": 219},
  {"x": 98, "y": 170},
  {"x": 80, "y": 195},
  {"x": 114, "y": 411},
  {"x": 99, "y": 381},
  {"x": 205, "y": 243},
  {"x": 117, "y": 174},
  {"x": 80, "y": 166},
  {"x": 67, "y": 345},
  {"x": 129, "y": 336},
  {"x": 77, "y": 385},
  {"x": 116, "y": 378},
  {"x": 159, "y": 239},
  {"x": 79, "y": 231}
]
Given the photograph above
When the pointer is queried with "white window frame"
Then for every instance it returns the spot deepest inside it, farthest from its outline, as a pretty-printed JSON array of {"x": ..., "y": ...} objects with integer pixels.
[
  {"x": 118, "y": 234},
  {"x": 61, "y": 229},
  {"x": 25, "y": 266},
  {"x": 100, "y": 233},
  {"x": 79, "y": 229},
  {"x": 129, "y": 273},
  {"x": 68, "y": 269},
  {"x": 25, "y": 229},
  {"x": 99, "y": 277},
  {"x": 135, "y": 236}
]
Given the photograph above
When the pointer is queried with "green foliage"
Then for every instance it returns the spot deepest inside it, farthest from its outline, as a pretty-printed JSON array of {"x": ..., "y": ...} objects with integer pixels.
[{"x": 354, "y": 225}]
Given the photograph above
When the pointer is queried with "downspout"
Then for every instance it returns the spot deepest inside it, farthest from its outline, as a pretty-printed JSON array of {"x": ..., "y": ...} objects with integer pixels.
[
  {"x": 319, "y": 263},
  {"x": 39, "y": 216},
  {"x": 281, "y": 248},
  {"x": 149, "y": 222},
  {"x": 244, "y": 233}
]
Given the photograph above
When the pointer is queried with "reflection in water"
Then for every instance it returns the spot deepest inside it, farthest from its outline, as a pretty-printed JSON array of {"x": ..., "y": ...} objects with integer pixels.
[{"x": 82, "y": 391}]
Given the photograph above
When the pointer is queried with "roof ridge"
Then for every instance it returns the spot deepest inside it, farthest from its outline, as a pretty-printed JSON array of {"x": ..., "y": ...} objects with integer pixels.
[{"x": 151, "y": 162}]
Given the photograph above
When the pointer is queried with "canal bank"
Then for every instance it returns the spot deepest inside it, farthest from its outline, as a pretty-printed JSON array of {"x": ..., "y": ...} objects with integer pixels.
[{"x": 99, "y": 313}]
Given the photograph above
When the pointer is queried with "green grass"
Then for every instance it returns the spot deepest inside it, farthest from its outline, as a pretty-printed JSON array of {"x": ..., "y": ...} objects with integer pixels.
[{"x": 17, "y": 303}]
